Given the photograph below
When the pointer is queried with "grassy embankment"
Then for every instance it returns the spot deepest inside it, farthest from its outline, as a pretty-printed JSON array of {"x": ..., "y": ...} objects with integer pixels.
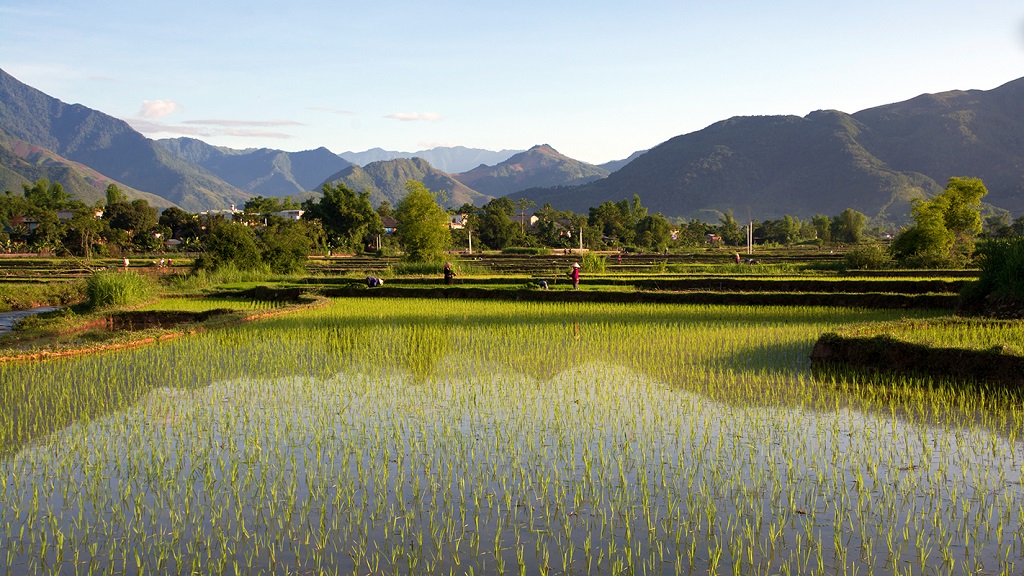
[
  {"x": 114, "y": 309},
  {"x": 960, "y": 348}
]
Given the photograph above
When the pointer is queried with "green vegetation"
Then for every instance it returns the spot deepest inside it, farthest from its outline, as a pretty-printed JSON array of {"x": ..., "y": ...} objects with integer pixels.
[
  {"x": 1002, "y": 268},
  {"x": 422, "y": 223},
  {"x": 594, "y": 262},
  {"x": 113, "y": 288},
  {"x": 1004, "y": 336},
  {"x": 999, "y": 290},
  {"x": 447, "y": 436},
  {"x": 944, "y": 227},
  {"x": 21, "y": 296},
  {"x": 870, "y": 257},
  {"x": 347, "y": 218},
  {"x": 527, "y": 251},
  {"x": 601, "y": 436},
  {"x": 343, "y": 221},
  {"x": 278, "y": 248}
]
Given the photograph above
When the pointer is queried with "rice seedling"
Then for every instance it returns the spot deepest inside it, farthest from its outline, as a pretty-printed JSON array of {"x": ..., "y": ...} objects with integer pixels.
[
  {"x": 1006, "y": 336},
  {"x": 405, "y": 436}
]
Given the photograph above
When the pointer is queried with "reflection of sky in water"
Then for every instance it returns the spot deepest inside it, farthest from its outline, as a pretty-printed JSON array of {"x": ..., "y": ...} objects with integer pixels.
[
  {"x": 9, "y": 319},
  {"x": 383, "y": 466}
]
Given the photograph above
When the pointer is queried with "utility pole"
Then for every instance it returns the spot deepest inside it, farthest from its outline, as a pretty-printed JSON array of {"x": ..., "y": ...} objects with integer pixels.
[
  {"x": 750, "y": 232},
  {"x": 470, "y": 240}
]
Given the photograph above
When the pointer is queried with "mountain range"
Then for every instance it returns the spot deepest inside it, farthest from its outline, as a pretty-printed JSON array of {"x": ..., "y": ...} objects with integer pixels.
[
  {"x": 875, "y": 161},
  {"x": 386, "y": 181},
  {"x": 453, "y": 159},
  {"x": 109, "y": 146},
  {"x": 22, "y": 163},
  {"x": 539, "y": 167},
  {"x": 262, "y": 171}
]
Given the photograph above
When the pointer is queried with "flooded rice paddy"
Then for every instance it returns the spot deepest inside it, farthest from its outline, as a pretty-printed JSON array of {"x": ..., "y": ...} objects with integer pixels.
[{"x": 437, "y": 437}]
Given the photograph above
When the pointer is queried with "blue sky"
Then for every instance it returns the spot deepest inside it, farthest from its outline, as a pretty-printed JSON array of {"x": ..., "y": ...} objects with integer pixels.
[{"x": 596, "y": 80}]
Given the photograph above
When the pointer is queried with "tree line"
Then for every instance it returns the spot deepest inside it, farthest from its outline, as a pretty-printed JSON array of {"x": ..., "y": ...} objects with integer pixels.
[{"x": 45, "y": 218}]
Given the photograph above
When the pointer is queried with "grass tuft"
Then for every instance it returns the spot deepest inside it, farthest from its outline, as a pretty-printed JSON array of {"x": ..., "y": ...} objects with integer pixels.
[{"x": 109, "y": 288}]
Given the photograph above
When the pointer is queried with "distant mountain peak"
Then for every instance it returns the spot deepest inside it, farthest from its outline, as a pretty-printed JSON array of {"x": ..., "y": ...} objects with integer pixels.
[
  {"x": 539, "y": 167},
  {"x": 451, "y": 159},
  {"x": 386, "y": 179},
  {"x": 875, "y": 161}
]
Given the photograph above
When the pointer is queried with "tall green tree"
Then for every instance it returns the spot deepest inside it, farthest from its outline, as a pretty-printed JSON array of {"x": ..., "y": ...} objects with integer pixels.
[
  {"x": 46, "y": 195},
  {"x": 617, "y": 221},
  {"x": 82, "y": 231},
  {"x": 822, "y": 227},
  {"x": 285, "y": 246},
  {"x": 654, "y": 232},
  {"x": 496, "y": 226},
  {"x": 729, "y": 230},
  {"x": 135, "y": 220},
  {"x": 422, "y": 224},
  {"x": 348, "y": 219},
  {"x": 961, "y": 211},
  {"x": 183, "y": 225},
  {"x": 945, "y": 227},
  {"x": 522, "y": 205},
  {"x": 848, "y": 226},
  {"x": 229, "y": 243},
  {"x": 114, "y": 195}
]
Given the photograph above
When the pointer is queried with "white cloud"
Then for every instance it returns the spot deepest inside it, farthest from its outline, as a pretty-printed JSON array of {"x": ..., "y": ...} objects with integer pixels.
[
  {"x": 331, "y": 110},
  {"x": 151, "y": 128},
  {"x": 259, "y": 123},
  {"x": 158, "y": 108},
  {"x": 415, "y": 116}
]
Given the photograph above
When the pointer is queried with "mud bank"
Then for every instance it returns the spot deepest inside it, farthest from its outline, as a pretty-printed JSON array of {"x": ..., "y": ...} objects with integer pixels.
[{"x": 886, "y": 354}]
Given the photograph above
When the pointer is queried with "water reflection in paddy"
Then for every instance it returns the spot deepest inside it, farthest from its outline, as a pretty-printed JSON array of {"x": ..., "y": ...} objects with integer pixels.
[{"x": 405, "y": 452}]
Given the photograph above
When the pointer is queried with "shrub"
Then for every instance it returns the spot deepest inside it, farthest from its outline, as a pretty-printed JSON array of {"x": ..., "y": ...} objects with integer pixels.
[
  {"x": 224, "y": 274},
  {"x": 409, "y": 268},
  {"x": 1002, "y": 265},
  {"x": 593, "y": 262},
  {"x": 873, "y": 257},
  {"x": 109, "y": 288},
  {"x": 285, "y": 247},
  {"x": 1001, "y": 280},
  {"x": 230, "y": 243}
]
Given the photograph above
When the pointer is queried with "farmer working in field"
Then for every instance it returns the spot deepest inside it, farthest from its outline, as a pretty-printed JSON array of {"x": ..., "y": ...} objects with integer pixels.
[{"x": 574, "y": 274}]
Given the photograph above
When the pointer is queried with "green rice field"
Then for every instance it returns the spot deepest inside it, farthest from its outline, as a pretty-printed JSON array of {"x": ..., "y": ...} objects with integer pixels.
[
  {"x": 404, "y": 436},
  {"x": 951, "y": 332}
]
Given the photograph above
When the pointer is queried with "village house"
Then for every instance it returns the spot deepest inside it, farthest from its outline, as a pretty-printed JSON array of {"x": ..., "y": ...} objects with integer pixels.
[
  {"x": 292, "y": 215},
  {"x": 458, "y": 221}
]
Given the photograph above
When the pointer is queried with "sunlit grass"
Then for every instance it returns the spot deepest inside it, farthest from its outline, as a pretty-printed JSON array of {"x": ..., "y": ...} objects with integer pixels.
[
  {"x": 1006, "y": 336},
  {"x": 205, "y": 304}
]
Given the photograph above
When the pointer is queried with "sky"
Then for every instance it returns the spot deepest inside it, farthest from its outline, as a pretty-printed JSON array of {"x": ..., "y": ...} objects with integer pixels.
[{"x": 596, "y": 80}]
